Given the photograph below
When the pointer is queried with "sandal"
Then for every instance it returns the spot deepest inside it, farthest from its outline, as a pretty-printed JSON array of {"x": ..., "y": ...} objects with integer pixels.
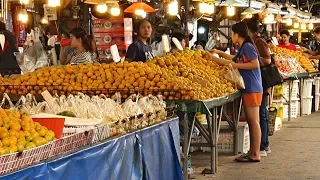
[
  {"x": 247, "y": 159},
  {"x": 242, "y": 156}
]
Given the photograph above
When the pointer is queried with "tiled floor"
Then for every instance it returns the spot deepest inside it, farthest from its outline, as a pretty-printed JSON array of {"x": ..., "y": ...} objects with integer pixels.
[{"x": 295, "y": 156}]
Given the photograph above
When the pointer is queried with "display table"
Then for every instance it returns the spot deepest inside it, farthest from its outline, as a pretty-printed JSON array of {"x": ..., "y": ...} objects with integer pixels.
[
  {"x": 214, "y": 110},
  {"x": 151, "y": 153},
  {"x": 301, "y": 77}
]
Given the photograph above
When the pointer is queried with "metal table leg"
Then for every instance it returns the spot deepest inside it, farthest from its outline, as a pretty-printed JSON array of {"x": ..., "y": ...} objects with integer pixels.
[
  {"x": 289, "y": 103},
  {"x": 211, "y": 124},
  {"x": 236, "y": 116},
  {"x": 185, "y": 145},
  {"x": 301, "y": 97}
]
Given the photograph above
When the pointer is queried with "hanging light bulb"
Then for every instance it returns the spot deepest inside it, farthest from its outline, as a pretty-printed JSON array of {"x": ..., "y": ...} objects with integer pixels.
[
  {"x": 140, "y": 12},
  {"x": 310, "y": 27},
  {"x": 231, "y": 11},
  {"x": 210, "y": 8},
  {"x": 296, "y": 25},
  {"x": 303, "y": 26},
  {"x": 23, "y": 16},
  {"x": 173, "y": 9},
  {"x": 203, "y": 7},
  {"x": 115, "y": 10},
  {"x": 44, "y": 21},
  {"x": 289, "y": 22},
  {"x": 24, "y": 2},
  {"x": 53, "y": 3},
  {"x": 102, "y": 7}
]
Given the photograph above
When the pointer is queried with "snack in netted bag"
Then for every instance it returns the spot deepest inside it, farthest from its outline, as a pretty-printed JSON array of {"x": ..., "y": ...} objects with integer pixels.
[
  {"x": 132, "y": 111},
  {"x": 145, "y": 104}
]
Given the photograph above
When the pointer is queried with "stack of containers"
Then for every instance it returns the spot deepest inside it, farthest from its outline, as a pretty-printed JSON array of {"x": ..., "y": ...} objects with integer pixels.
[
  {"x": 281, "y": 99},
  {"x": 317, "y": 93},
  {"x": 307, "y": 96},
  {"x": 114, "y": 31}
]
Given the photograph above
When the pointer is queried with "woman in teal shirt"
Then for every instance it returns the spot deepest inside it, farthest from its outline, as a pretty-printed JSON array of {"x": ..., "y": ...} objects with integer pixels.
[{"x": 246, "y": 61}]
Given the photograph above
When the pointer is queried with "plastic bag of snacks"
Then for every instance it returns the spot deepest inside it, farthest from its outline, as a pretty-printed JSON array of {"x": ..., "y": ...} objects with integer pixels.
[{"x": 133, "y": 111}]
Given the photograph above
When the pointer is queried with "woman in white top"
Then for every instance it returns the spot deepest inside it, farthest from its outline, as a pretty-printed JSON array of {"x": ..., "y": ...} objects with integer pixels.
[{"x": 81, "y": 48}]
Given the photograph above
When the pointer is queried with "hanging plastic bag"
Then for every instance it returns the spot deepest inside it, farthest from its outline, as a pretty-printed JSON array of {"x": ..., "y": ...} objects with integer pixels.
[{"x": 235, "y": 77}]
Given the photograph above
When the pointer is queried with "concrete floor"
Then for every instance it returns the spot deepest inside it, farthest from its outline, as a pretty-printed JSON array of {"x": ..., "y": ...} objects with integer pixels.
[{"x": 295, "y": 156}]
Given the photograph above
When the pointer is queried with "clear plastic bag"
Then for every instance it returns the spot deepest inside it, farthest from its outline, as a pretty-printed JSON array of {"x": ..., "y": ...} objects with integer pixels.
[
  {"x": 32, "y": 58},
  {"x": 234, "y": 76}
]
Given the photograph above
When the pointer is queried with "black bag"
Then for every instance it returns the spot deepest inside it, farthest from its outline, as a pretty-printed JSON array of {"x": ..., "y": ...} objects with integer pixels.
[{"x": 270, "y": 75}]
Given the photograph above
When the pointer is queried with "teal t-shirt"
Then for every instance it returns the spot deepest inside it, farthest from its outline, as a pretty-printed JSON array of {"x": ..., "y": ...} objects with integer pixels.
[{"x": 251, "y": 78}]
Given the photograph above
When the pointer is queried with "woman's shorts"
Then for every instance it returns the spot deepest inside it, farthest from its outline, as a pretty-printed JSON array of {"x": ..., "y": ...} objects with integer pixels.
[{"x": 251, "y": 99}]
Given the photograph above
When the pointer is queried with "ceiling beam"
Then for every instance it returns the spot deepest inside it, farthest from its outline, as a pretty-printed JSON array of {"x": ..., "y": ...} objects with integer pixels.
[{"x": 306, "y": 5}]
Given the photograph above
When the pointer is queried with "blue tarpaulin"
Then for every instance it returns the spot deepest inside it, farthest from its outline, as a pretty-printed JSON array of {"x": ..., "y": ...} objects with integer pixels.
[{"x": 149, "y": 154}]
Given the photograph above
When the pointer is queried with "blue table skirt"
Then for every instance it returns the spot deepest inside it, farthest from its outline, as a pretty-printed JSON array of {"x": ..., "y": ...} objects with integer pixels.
[{"x": 149, "y": 154}]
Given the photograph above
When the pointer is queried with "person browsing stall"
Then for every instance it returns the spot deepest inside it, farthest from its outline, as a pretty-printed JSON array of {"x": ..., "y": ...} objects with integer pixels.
[
  {"x": 264, "y": 60},
  {"x": 181, "y": 38},
  {"x": 285, "y": 35},
  {"x": 139, "y": 50},
  {"x": 8, "y": 62},
  {"x": 247, "y": 62},
  {"x": 315, "y": 49},
  {"x": 80, "y": 48}
]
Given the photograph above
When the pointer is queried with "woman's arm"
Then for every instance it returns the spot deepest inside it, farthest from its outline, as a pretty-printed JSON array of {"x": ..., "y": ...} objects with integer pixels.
[
  {"x": 222, "y": 54},
  {"x": 65, "y": 58},
  {"x": 314, "y": 57},
  {"x": 313, "y": 53},
  {"x": 209, "y": 56},
  {"x": 253, "y": 64}
]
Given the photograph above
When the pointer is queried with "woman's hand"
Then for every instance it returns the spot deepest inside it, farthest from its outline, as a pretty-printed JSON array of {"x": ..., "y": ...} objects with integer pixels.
[
  {"x": 303, "y": 49},
  {"x": 216, "y": 51}
]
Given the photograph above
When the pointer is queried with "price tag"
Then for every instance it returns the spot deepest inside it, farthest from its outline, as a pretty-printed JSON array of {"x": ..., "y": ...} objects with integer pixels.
[
  {"x": 177, "y": 43},
  {"x": 115, "y": 53},
  {"x": 165, "y": 43},
  {"x": 275, "y": 41}
]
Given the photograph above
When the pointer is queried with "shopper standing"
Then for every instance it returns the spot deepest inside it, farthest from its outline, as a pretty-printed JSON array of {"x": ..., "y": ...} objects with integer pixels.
[
  {"x": 315, "y": 51},
  {"x": 264, "y": 59},
  {"x": 140, "y": 50},
  {"x": 285, "y": 35},
  {"x": 80, "y": 48},
  {"x": 248, "y": 64},
  {"x": 8, "y": 62}
]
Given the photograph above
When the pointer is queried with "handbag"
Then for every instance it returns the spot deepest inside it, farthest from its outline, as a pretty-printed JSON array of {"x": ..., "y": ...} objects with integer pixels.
[{"x": 270, "y": 75}]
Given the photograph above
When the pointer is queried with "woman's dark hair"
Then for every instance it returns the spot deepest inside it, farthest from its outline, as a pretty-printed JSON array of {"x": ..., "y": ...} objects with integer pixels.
[
  {"x": 242, "y": 29},
  {"x": 316, "y": 30},
  {"x": 140, "y": 23},
  {"x": 252, "y": 24},
  {"x": 286, "y": 32},
  {"x": 179, "y": 36},
  {"x": 2, "y": 26},
  {"x": 80, "y": 33}
]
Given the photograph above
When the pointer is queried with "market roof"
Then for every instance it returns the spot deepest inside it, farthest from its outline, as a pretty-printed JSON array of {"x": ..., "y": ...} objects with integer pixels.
[{"x": 303, "y": 5}]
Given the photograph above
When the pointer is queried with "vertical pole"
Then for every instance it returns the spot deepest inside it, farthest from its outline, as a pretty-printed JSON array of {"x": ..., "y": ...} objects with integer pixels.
[
  {"x": 185, "y": 145},
  {"x": 214, "y": 153},
  {"x": 299, "y": 34},
  {"x": 289, "y": 103},
  {"x": 301, "y": 84},
  {"x": 187, "y": 6}
]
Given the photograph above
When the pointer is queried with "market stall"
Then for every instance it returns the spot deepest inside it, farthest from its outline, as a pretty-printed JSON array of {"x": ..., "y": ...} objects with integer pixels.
[
  {"x": 150, "y": 153},
  {"x": 214, "y": 110}
]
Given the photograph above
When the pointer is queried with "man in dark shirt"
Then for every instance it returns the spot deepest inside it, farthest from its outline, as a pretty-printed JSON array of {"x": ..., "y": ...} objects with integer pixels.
[
  {"x": 315, "y": 52},
  {"x": 140, "y": 50}
]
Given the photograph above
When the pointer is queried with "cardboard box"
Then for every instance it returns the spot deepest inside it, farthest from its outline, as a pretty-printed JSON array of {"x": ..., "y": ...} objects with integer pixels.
[
  {"x": 112, "y": 25},
  {"x": 105, "y": 53},
  {"x": 109, "y": 39}
]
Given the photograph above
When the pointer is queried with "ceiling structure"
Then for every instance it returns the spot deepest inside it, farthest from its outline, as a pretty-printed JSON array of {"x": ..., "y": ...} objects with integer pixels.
[{"x": 312, "y": 6}]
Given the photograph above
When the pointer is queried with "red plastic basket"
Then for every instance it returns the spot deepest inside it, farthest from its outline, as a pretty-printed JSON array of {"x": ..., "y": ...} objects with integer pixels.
[{"x": 54, "y": 124}]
